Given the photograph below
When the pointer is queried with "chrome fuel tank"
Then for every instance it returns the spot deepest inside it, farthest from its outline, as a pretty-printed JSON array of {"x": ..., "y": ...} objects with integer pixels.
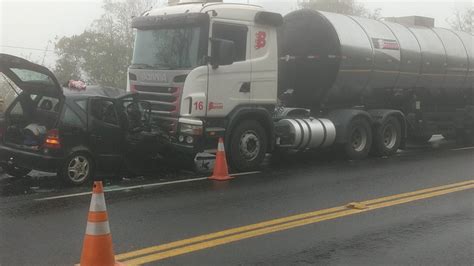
[{"x": 307, "y": 133}]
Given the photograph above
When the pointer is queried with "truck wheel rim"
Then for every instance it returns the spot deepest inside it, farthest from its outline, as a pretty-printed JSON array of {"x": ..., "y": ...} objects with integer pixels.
[
  {"x": 359, "y": 139},
  {"x": 249, "y": 145},
  {"x": 389, "y": 136},
  {"x": 78, "y": 169}
]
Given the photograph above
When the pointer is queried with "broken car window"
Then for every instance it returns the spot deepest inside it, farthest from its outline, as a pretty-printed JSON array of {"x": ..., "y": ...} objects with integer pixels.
[{"x": 104, "y": 110}]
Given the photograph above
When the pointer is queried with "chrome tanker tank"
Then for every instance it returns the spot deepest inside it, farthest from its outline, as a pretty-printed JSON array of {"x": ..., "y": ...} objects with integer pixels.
[{"x": 331, "y": 59}]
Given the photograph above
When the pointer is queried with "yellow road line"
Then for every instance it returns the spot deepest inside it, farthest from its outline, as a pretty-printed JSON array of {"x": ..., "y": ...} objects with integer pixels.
[
  {"x": 240, "y": 233},
  {"x": 223, "y": 233},
  {"x": 285, "y": 226},
  {"x": 272, "y": 222},
  {"x": 423, "y": 191},
  {"x": 233, "y": 238}
]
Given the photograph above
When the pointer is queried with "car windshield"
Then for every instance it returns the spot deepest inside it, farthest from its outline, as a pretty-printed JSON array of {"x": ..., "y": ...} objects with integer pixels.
[{"x": 176, "y": 48}]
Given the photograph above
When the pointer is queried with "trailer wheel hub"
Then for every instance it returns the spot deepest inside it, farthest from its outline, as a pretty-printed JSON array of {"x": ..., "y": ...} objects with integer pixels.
[
  {"x": 359, "y": 139},
  {"x": 389, "y": 136}
]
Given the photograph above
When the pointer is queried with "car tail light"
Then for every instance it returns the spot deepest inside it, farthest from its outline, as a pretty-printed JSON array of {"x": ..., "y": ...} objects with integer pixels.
[{"x": 52, "y": 140}]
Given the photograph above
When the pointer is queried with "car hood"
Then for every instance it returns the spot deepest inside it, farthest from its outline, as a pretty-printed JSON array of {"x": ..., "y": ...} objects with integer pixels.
[{"x": 28, "y": 76}]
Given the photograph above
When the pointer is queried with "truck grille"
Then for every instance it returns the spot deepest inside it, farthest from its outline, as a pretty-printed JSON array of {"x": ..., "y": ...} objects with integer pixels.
[{"x": 165, "y": 105}]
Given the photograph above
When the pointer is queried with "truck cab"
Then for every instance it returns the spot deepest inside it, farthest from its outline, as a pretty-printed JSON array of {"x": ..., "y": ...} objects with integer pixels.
[{"x": 206, "y": 68}]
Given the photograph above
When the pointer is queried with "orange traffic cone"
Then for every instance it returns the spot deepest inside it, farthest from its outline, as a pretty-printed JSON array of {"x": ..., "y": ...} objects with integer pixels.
[
  {"x": 221, "y": 171},
  {"x": 97, "y": 249}
]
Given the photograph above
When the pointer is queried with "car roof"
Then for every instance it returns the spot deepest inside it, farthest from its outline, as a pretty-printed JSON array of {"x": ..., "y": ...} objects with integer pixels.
[{"x": 94, "y": 91}]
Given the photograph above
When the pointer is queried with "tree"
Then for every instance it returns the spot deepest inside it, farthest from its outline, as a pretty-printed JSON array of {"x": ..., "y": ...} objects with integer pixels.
[
  {"x": 462, "y": 20},
  {"x": 102, "y": 53},
  {"x": 347, "y": 7}
]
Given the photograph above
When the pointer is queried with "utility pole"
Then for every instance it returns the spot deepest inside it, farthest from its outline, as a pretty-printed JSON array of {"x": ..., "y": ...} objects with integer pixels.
[{"x": 45, "y": 51}]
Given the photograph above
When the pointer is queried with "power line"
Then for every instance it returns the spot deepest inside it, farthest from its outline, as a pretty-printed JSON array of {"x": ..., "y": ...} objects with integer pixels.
[{"x": 27, "y": 48}]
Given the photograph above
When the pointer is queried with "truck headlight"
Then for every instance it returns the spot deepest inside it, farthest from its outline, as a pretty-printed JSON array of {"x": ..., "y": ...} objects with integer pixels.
[
  {"x": 189, "y": 140},
  {"x": 191, "y": 126},
  {"x": 194, "y": 130}
]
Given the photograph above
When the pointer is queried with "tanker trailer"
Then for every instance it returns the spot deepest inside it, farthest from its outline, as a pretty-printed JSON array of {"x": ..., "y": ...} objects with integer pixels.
[{"x": 416, "y": 78}]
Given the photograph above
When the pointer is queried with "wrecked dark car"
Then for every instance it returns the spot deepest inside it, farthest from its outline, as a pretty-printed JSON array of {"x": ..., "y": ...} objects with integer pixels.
[{"x": 81, "y": 136}]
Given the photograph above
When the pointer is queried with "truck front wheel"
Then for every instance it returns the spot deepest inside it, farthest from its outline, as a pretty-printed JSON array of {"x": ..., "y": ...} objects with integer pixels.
[
  {"x": 248, "y": 146},
  {"x": 359, "y": 140}
]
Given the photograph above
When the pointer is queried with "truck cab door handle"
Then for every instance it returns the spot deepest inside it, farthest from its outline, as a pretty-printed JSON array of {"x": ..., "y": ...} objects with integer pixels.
[{"x": 245, "y": 87}]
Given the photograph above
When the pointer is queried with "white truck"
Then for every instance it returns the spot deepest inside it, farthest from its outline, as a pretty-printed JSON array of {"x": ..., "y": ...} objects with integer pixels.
[{"x": 306, "y": 81}]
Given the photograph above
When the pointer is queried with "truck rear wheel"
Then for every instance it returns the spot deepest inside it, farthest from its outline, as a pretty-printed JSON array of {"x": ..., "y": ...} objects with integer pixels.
[
  {"x": 248, "y": 146},
  {"x": 387, "y": 137},
  {"x": 359, "y": 140}
]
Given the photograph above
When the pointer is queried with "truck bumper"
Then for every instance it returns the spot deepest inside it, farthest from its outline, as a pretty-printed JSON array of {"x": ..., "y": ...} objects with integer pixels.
[
  {"x": 29, "y": 160},
  {"x": 200, "y": 144}
]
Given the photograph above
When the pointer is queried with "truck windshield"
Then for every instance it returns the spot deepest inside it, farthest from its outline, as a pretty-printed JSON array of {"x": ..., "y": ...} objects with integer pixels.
[{"x": 176, "y": 48}]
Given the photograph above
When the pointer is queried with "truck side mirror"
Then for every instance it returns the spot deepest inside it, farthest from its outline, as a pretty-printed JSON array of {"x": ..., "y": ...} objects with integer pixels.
[{"x": 222, "y": 53}]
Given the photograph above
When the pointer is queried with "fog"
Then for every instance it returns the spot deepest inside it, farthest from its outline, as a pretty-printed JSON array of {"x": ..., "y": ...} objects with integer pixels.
[{"x": 29, "y": 27}]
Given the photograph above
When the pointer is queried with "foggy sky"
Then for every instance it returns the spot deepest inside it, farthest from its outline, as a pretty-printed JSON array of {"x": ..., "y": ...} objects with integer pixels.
[{"x": 36, "y": 23}]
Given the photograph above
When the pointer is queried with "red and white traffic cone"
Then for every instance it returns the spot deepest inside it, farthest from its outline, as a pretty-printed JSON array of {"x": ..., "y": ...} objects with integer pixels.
[
  {"x": 221, "y": 171},
  {"x": 97, "y": 249}
]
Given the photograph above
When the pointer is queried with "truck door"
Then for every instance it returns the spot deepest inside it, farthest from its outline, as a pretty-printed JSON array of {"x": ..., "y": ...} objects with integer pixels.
[
  {"x": 229, "y": 86},
  {"x": 264, "y": 58},
  {"x": 106, "y": 136}
]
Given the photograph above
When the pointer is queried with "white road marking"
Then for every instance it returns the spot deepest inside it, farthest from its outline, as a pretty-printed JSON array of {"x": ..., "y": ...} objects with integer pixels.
[
  {"x": 246, "y": 173},
  {"x": 65, "y": 196},
  {"x": 462, "y": 149},
  {"x": 139, "y": 186}
]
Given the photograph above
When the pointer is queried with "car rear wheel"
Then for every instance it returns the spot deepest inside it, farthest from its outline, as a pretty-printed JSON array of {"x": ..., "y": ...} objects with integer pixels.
[{"x": 77, "y": 169}]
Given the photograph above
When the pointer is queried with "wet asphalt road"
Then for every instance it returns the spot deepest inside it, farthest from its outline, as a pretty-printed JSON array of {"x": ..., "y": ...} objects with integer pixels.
[{"x": 433, "y": 231}]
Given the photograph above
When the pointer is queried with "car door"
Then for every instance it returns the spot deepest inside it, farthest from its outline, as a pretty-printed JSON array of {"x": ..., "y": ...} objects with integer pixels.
[
  {"x": 105, "y": 133},
  {"x": 140, "y": 136},
  {"x": 229, "y": 86}
]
